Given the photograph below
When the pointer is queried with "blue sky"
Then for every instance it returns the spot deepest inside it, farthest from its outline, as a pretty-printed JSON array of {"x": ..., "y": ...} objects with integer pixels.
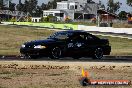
[
  {"x": 124, "y": 6},
  {"x": 39, "y": 1}
]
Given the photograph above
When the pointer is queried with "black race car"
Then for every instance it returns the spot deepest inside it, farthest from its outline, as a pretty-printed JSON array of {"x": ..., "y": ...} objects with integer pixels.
[{"x": 70, "y": 43}]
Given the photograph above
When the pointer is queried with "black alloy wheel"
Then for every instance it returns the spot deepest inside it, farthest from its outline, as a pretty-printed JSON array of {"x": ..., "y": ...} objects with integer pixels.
[
  {"x": 56, "y": 53},
  {"x": 98, "y": 53}
]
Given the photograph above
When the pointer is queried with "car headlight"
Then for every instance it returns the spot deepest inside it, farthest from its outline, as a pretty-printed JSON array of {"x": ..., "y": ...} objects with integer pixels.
[
  {"x": 23, "y": 46},
  {"x": 39, "y": 47}
]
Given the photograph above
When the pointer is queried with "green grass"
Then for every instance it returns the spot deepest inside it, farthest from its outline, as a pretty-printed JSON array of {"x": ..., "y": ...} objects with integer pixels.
[{"x": 11, "y": 39}]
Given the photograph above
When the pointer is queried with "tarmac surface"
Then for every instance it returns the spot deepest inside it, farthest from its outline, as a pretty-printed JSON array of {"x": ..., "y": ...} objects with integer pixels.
[
  {"x": 17, "y": 72},
  {"x": 116, "y": 59}
]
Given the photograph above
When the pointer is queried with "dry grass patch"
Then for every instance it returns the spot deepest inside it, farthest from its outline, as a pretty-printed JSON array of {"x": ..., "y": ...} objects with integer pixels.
[
  {"x": 120, "y": 46},
  {"x": 41, "y": 77},
  {"x": 122, "y": 25},
  {"x": 11, "y": 38}
]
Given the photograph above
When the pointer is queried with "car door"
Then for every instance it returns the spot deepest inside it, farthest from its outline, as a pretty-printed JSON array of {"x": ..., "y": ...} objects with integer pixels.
[
  {"x": 90, "y": 44},
  {"x": 76, "y": 44}
]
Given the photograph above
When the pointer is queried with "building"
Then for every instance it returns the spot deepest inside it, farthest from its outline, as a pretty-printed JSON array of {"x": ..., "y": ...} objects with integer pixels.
[
  {"x": 36, "y": 19},
  {"x": 74, "y": 10},
  {"x": 106, "y": 19}
]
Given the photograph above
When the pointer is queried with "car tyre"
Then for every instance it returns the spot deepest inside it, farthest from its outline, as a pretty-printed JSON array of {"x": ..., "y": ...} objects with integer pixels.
[
  {"x": 98, "y": 53},
  {"x": 56, "y": 53}
]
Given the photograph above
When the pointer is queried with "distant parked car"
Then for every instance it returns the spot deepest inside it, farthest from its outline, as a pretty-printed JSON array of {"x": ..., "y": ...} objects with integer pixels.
[{"x": 70, "y": 43}]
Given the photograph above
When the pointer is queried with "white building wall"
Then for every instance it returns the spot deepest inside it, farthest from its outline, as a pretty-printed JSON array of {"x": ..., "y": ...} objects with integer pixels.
[
  {"x": 48, "y": 12},
  {"x": 36, "y": 19},
  {"x": 82, "y": 1},
  {"x": 72, "y": 5},
  {"x": 62, "y": 5}
]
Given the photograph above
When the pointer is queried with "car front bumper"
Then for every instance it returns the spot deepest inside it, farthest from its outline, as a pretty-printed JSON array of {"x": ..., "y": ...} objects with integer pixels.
[{"x": 26, "y": 51}]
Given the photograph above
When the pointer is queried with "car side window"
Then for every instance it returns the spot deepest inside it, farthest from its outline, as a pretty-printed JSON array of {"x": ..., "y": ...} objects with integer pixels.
[{"x": 78, "y": 37}]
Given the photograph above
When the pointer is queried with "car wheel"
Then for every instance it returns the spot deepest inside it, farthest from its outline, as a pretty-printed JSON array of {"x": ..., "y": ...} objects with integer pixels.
[
  {"x": 98, "y": 53},
  {"x": 56, "y": 53}
]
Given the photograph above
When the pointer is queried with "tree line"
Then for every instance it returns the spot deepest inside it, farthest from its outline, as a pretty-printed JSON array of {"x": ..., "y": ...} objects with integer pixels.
[{"x": 34, "y": 9}]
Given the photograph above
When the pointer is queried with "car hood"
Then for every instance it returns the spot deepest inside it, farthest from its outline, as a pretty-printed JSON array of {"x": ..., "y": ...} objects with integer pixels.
[{"x": 39, "y": 42}]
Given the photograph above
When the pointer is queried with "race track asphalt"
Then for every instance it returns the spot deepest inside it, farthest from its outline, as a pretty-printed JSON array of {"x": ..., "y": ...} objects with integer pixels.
[{"x": 118, "y": 59}]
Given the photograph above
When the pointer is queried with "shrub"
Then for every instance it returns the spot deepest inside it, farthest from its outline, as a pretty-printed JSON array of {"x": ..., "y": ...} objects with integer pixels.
[
  {"x": 49, "y": 18},
  {"x": 13, "y": 19},
  {"x": 67, "y": 20}
]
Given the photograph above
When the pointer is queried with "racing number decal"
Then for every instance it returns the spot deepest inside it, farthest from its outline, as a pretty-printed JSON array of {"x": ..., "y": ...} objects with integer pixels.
[
  {"x": 70, "y": 45},
  {"x": 78, "y": 44},
  {"x": 75, "y": 45}
]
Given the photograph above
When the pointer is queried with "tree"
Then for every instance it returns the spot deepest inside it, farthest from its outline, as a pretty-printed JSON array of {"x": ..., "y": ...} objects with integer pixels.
[
  {"x": 1, "y": 4},
  {"x": 101, "y": 5},
  {"x": 113, "y": 7},
  {"x": 25, "y": 6},
  {"x": 122, "y": 15},
  {"x": 44, "y": 6},
  {"x": 50, "y": 5},
  {"x": 20, "y": 6},
  {"x": 38, "y": 12},
  {"x": 32, "y": 4},
  {"x": 28, "y": 6},
  {"x": 129, "y": 2},
  {"x": 11, "y": 6},
  {"x": 90, "y": 1}
]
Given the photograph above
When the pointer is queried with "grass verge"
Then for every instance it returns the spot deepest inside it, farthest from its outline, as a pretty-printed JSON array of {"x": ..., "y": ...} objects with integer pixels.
[
  {"x": 120, "y": 46},
  {"x": 122, "y": 25}
]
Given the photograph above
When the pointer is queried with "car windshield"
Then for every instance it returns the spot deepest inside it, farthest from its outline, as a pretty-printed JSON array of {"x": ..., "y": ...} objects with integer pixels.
[{"x": 60, "y": 36}]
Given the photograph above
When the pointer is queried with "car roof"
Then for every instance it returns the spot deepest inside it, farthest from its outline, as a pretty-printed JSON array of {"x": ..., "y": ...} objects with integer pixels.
[{"x": 75, "y": 31}]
